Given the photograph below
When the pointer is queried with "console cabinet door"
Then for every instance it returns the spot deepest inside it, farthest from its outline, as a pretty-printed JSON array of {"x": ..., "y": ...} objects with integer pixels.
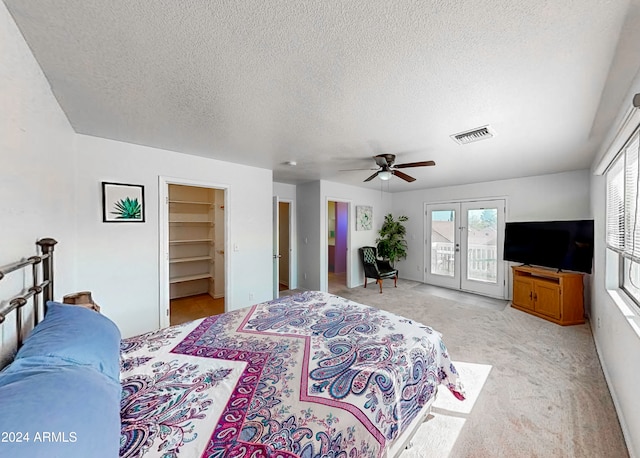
[
  {"x": 547, "y": 299},
  {"x": 523, "y": 292},
  {"x": 553, "y": 296}
]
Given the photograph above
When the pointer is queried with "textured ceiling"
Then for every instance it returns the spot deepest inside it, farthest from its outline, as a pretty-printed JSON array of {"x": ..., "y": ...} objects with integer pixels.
[{"x": 330, "y": 83}]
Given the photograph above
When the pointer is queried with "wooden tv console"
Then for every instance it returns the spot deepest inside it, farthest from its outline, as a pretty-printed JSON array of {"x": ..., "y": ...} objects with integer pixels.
[{"x": 554, "y": 296}]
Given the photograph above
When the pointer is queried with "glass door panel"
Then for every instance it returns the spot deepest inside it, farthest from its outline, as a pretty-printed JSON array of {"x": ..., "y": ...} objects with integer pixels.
[
  {"x": 483, "y": 238},
  {"x": 443, "y": 234},
  {"x": 482, "y": 248},
  {"x": 442, "y": 239}
]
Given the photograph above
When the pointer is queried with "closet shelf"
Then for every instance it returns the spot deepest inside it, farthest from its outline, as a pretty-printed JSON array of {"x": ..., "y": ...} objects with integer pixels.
[
  {"x": 180, "y": 242},
  {"x": 190, "y": 278},
  {"x": 191, "y": 259},
  {"x": 193, "y": 221},
  {"x": 189, "y": 202},
  {"x": 193, "y": 237}
]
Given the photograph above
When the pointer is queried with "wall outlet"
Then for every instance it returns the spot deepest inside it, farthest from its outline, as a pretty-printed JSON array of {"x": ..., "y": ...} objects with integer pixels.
[
  {"x": 250, "y": 296},
  {"x": 418, "y": 268},
  {"x": 598, "y": 322},
  {"x": 305, "y": 275}
]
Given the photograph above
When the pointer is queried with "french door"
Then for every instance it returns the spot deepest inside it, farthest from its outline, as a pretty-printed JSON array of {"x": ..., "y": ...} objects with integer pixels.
[{"x": 464, "y": 246}]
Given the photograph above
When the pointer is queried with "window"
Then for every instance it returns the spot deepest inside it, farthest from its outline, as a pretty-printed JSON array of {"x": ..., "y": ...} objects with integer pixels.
[{"x": 623, "y": 214}]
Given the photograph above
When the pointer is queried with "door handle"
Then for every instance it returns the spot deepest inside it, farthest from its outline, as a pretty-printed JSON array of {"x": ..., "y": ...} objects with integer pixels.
[{"x": 275, "y": 256}]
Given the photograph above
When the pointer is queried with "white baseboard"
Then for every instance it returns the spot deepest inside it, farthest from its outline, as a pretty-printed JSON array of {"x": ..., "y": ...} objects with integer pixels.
[{"x": 625, "y": 430}]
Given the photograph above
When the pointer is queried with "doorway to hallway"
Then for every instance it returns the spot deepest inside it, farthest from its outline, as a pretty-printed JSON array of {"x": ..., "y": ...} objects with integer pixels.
[
  {"x": 283, "y": 246},
  {"x": 337, "y": 234},
  {"x": 284, "y": 243}
]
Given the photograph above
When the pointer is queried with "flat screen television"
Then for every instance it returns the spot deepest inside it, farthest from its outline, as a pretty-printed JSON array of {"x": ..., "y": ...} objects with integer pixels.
[{"x": 562, "y": 245}]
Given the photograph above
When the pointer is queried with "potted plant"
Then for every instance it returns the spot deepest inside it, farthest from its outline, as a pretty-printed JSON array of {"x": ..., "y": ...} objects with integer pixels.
[{"x": 391, "y": 243}]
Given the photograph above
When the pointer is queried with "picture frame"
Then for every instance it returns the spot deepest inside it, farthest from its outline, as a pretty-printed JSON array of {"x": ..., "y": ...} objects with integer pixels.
[
  {"x": 364, "y": 218},
  {"x": 122, "y": 203}
]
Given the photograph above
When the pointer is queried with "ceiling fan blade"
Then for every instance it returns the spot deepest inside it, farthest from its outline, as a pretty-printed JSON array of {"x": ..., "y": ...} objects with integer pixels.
[
  {"x": 381, "y": 160},
  {"x": 352, "y": 170},
  {"x": 403, "y": 175},
  {"x": 371, "y": 177},
  {"x": 414, "y": 164}
]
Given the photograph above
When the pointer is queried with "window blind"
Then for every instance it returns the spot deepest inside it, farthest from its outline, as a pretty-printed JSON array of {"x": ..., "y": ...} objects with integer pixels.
[
  {"x": 632, "y": 216},
  {"x": 615, "y": 205},
  {"x": 623, "y": 201}
]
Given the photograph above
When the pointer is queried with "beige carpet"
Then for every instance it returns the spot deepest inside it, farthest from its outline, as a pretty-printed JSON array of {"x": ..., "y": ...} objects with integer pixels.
[{"x": 535, "y": 389}]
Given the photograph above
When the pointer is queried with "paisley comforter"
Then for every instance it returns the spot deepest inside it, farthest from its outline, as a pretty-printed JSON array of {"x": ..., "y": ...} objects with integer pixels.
[{"x": 312, "y": 375}]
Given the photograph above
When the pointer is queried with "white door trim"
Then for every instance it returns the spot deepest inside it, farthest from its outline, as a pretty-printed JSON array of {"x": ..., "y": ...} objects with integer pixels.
[
  {"x": 498, "y": 288},
  {"x": 293, "y": 264},
  {"x": 275, "y": 248},
  {"x": 163, "y": 241},
  {"x": 324, "y": 259}
]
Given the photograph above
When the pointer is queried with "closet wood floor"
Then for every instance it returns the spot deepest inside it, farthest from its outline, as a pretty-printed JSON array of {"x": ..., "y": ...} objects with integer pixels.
[{"x": 193, "y": 307}]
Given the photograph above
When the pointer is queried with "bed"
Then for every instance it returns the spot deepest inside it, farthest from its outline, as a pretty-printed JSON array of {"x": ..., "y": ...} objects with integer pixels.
[{"x": 310, "y": 375}]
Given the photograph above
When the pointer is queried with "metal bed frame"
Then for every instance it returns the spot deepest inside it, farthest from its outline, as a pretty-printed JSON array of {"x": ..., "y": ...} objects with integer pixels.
[{"x": 45, "y": 259}]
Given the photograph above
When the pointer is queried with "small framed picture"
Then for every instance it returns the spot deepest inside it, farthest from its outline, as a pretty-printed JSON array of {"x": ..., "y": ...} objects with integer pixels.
[
  {"x": 122, "y": 203},
  {"x": 364, "y": 218}
]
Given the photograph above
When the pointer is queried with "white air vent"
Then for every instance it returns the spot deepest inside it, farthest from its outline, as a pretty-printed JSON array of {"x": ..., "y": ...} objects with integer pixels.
[{"x": 473, "y": 135}]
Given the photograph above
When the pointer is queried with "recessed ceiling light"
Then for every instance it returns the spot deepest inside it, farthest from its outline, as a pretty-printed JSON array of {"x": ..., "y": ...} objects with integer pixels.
[{"x": 291, "y": 163}]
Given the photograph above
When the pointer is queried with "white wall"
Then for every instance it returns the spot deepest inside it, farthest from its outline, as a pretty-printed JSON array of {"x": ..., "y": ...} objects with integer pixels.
[
  {"x": 36, "y": 166},
  {"x": 617, "y": 340},
  {"x": 546, "y": 197},
  {"x": 381, "y": 203},
  {"x": 284, "y": 191},
  {"x": 308, "y": 211},
  {"x": 36, "y": 156},
  {"x": 119, "y": 262},
  {"x": 50, "y": 180},
  {"x": 219, "y": 244},
  {"x": 312, "y": 203}
]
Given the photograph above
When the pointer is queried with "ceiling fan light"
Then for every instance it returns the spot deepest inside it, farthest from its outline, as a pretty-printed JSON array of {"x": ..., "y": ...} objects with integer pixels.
[{"x": 384, "y": 175}]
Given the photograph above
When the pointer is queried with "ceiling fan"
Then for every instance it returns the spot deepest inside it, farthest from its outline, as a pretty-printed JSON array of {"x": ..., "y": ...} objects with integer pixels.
[{"x": 387, "y": 168}]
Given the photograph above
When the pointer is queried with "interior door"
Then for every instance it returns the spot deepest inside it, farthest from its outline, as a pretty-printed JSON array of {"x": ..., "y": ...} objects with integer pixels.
[
  {"x": 276, "y": 247},
  {"x": 464, "y": 246},
  {"x": 284, "y": 245}
]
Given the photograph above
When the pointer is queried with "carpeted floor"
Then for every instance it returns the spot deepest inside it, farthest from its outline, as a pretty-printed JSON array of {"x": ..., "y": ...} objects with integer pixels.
[{"x": 535, "y": 389}]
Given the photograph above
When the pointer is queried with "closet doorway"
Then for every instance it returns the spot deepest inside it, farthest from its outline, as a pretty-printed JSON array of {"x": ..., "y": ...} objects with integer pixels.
[
  {"x": 337, "y": 234},
  {"x": 194, "y": 252}
]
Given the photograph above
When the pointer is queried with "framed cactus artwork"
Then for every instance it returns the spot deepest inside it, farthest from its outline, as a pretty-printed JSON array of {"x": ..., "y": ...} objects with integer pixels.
[{"x": 122, "y": 203}]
